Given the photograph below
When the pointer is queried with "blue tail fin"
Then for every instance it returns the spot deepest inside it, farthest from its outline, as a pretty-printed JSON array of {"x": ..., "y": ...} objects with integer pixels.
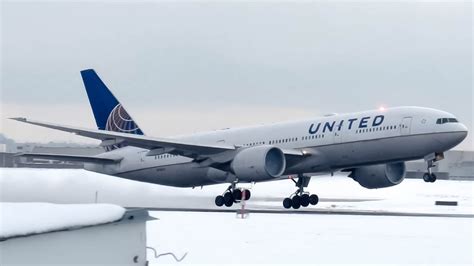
[{"x": 108, "y": 112}]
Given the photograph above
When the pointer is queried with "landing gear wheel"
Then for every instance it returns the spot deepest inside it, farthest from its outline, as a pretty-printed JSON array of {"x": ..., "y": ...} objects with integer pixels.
[
  {"x": 287, "y": 203},
  {"x": 219, "y": 201},
  {"x": 228, "y": 198},
  {"x": 247, "y": 194},
  {"x": 237, "y": 194},
  {"x": 300, "y": 198},
  {"x": 433, "y": 178},
  {"x": 305, "y": 200},
  {"x": 427, "y": 177},
  {"x": 229, "y": 201},
  {"x": 296, "y": 202},
  {"x": 313, "y": 199}
]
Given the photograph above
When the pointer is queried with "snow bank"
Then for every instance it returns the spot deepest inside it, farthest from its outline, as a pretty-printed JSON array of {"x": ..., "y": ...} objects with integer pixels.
[{"x": 19, "y": 219}]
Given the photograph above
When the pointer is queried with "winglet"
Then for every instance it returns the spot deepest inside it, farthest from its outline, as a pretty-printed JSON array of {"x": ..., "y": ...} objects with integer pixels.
[{"x": 21, "y": 119}]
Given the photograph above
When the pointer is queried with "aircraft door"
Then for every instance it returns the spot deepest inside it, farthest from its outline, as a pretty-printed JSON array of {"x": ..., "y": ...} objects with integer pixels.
[{"x": 405, "y": 126}]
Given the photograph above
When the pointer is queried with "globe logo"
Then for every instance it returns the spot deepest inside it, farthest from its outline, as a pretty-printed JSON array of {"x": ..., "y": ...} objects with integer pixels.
[{"x": 120, "y": 121}]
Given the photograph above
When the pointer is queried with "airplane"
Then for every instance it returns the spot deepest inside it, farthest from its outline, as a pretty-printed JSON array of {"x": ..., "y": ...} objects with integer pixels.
[{"x": 371, "y": 146}]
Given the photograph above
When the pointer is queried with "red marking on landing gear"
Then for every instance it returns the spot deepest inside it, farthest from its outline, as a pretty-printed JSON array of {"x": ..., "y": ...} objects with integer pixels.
[{"x": 242, "y": 213}]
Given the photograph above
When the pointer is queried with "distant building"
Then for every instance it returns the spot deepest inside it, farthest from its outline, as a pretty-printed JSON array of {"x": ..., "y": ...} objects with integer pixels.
[
  {"x": 7, "y": 159},
  {"x": 456, "y": 165},
  {"x": 68, "y": 150}
]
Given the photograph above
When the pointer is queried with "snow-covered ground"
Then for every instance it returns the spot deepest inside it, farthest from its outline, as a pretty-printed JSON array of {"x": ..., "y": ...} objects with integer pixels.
[{"x": 220, "y": 238}]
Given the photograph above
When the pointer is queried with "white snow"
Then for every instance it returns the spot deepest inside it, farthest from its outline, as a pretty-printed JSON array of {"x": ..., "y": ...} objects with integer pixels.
[
  {"x": 19, "y": 219},
  {"x": 290, "y": 239},
  {"x": 220, "y": 238}
]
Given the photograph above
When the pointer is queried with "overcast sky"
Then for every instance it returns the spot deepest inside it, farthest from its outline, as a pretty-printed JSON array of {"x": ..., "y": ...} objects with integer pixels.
[{"x": 192, "y": 66}]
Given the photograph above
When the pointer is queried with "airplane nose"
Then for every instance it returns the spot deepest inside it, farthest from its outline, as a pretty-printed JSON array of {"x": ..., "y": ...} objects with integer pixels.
[
  {"x": 463, "y": 128},
  {"x": 453, "y": 138},
  {"x": 461, "y": 134}
]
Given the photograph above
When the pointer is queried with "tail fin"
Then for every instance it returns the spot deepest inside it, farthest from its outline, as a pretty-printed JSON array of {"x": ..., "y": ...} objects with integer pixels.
[{"x": 108, "y": 112}]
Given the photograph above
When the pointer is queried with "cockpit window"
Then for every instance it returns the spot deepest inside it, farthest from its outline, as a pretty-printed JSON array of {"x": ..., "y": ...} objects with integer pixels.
[{"x": 446, "y": 120}]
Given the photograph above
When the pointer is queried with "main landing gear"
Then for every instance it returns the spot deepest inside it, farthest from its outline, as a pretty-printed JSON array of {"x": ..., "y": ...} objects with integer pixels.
[
  {"x": 232, "y": 195},
  {"x": 300, "y": 198}
]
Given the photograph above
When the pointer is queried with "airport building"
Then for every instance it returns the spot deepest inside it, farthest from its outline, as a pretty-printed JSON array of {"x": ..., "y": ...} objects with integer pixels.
[{"x": 8, "y": 151}]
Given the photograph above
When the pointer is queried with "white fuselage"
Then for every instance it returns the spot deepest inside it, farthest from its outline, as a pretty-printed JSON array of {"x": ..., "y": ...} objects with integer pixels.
[{"x": 332, "y": 143}]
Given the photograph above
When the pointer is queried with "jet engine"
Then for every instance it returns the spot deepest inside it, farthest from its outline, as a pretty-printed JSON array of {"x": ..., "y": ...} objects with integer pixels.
[
  {"x": 258, "y": 163},
  {"x": 379, "y": 176}
]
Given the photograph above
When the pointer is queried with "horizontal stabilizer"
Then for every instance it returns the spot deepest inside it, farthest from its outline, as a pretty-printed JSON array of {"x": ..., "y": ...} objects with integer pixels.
[{"x": 68, "y": 158}]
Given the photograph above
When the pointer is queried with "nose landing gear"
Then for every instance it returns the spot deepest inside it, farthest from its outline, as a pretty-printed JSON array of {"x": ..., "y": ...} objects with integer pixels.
[
  {"x": 300, "y": 198},
  {"x": 232, "y": 195},
  {"x": 429, "y": 176}
]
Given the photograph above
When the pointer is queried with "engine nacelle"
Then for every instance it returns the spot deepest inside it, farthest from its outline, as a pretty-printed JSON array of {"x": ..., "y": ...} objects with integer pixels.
[
  {"x": 259, "y": 163},
  {"x": 380, "y": 176}
]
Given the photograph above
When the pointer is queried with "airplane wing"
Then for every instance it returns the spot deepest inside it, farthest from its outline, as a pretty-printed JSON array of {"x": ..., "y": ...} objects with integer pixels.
[
  {"x": 223, "y": 153},
  {"x": 155, "y": 145},
  {"x": 68, "y": 158}
]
